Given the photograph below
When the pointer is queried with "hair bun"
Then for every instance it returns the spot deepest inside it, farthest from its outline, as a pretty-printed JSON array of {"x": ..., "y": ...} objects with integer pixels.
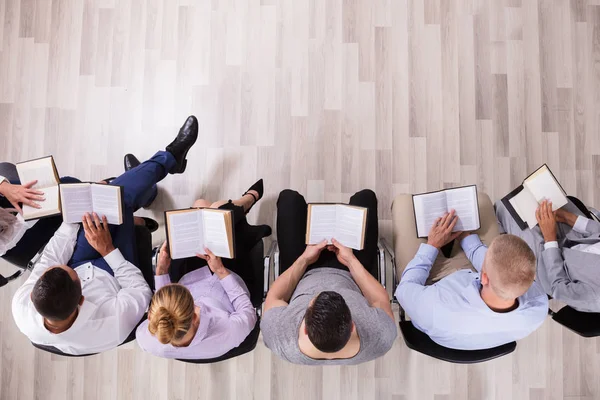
[{"x": 165, "y": 325}]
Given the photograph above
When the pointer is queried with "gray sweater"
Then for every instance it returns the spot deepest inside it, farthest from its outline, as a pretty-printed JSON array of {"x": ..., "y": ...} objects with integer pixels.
[{"x": 280, "y": 325}]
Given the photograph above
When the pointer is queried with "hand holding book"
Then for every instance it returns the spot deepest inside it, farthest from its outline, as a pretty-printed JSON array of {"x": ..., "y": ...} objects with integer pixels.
[
  {"x": 547, "y": 221},
  {"x": 441, "y": 232},
  {"x": 24, "y": 194},
  {"x": 214, "y": 263}
]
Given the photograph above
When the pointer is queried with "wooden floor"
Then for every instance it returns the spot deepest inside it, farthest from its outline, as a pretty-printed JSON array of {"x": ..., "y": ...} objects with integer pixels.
[{"x": 323, "y": 96}]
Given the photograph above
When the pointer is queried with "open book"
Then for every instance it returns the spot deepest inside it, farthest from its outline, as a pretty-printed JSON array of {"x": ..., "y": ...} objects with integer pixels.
[
  {"x": 430, "y": 206},
  {"x": 344, "y": 223},
  {"x": 44, "y": 171},
  {"x": 190, "y": 230},
  {"x": 522, "y": 202},
  {"x": 80, "y": 198}
]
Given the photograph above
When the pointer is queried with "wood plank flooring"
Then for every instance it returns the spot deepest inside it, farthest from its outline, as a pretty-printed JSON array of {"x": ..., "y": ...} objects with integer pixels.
[{"x": 323, "y": 96}]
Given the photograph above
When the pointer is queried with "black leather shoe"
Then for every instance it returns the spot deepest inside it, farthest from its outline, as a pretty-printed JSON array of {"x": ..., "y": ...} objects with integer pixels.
[
  {"x": 259, "y": 188},
  {"x": 130, "y": 162},
  {"x": 151, "y": 224},
  {"x": 183, "y": 142}
]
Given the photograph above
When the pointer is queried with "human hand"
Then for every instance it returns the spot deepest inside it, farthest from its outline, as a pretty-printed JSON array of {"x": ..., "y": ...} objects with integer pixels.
[
  {"x": 441, "y": 231},
  {"x": 97, "y": 234},
  {"x": 214, "y": 263},
  {"x": 344, "y": 254},
  {"x": 21, "y": 194},
  {"x": 546, "y": 220},
  {"x": 164, "y": 260},
  {"x": 565, "y": 217},
  {"x": 313, "y": 251}
]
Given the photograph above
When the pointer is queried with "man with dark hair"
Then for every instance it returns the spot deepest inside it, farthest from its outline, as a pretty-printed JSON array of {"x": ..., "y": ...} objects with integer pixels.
[
  {"x": 85, "y": 286},
  {"x": 326, "y": 307}
]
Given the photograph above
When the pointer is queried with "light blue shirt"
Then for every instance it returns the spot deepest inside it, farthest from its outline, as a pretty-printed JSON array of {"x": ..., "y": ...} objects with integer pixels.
[{"x": 453, "y": 314}]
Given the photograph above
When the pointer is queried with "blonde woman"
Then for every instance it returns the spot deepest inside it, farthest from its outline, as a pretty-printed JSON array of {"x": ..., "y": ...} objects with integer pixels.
[{"x": 209, "y": 311}]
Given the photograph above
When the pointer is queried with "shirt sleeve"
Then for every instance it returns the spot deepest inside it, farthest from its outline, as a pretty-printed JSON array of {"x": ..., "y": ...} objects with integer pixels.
[
  {"x": 551, "y": 245},
  {"x": 58, "y": 251},
  {"x": 586, "y": 226},
  {"x": 2, "y": 179},
  {"x": 412, "y": 293},
  {"x": 475, "y": 250},
  {"x": 243, "y": 319},
  {"x": 132, "y": 300},
  {"x": 161, "y": 280},
  {"x": 274, "y": 326}
]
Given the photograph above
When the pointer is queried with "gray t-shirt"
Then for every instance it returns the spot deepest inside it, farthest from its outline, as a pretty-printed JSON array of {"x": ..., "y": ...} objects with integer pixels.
[{"x": 280, "y": 325}]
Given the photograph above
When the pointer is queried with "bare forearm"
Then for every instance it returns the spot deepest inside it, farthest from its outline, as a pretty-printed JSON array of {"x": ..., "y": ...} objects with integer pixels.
[
  {"x": 375, "y": 294},
  {"x": 285, "y": 285}
]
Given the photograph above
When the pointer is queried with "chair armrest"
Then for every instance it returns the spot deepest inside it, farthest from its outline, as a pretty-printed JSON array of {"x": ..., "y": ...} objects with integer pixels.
[
  {"x": 389, "y": 250},
  {"x": 595, "y": 213},
  {"x": 381, "y": 249},
  {"x": 268, "y": 260}
]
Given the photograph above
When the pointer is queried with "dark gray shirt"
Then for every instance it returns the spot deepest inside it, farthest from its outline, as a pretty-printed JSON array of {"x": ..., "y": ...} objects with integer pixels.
[{"x": 280, "y": 325}]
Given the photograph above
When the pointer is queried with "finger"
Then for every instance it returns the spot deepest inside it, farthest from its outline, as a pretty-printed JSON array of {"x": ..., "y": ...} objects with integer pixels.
[
  {"x": 455, "y": 235},
  {"x": 97, "y": 221},
  {"x": 90, "y": 224},
  {"x": 453, "y": 223},
  {"x": 322, "y": 245},
  {"x": 29, "y": 184},
  {"x": 33, "y": 192},
  {"x": 31, "y": 203},
  {"x": 549, "y": 209},
  {"x": 164, "y": 247},
  {"x": 208, "y": 252},
  {"x": 444, "y": 220},
  {"x": 104, "y": 222},
  {"x": 37, "y": 197},
  {"x": 437, "y": 221},
  {"x": 17, "y": 207},
  {"x": 202, "y": 256},
  {"x": 451, "y": 218},
  {"x": 537, "y": 214},
  {"x": 84, "y": 222}
]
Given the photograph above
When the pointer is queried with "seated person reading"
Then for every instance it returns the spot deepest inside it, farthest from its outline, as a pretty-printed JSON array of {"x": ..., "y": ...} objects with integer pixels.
[
  {"x": 20, "y": 240},
  {"x": 209, "y": 310},
  {"x": 567, "y": 247},
  {"x": 493, "y": 303},
  {"x": 326, "y": 308},
  {"x": 86, "y": 295}
]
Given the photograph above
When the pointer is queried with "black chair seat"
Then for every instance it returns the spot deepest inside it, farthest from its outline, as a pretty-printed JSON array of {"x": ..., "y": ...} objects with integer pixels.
[
  {"x": 582, "y": 323},
  {"x": 419, "y": 341},
  {"x": 245, "y": 347}
]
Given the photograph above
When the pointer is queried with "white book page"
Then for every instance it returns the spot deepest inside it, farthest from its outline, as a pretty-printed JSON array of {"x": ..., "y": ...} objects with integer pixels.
[
  {"x": 185, "y": 234},
  {"x": 40, "y": 170},
  {"x": 428, "y": 207},
  {"x": 106, "y": 201},
  {"x": 76, "y": 201},
  {"x": 525, "y": 205},
  {"x": 349, "y": 226},
  {"x": 49, "y": 206},
  {"x": 323, "y": 218},
  {"x": 215, "y": 234},
  {"x": 543, "y": 187},
  {"x": 464, "y": 202}
]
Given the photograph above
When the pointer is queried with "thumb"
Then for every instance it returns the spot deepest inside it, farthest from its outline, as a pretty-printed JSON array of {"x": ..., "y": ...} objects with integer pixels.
[
  {"x": 322, "y": 244},
  {"x": 28, "y": 185},
  {"x": 208, "y": 252},
  {"x": 455, "y": 235},
  {"x": 16, "y": 206},
  {"x": 335, "y": 243},
  {"x": 202, "y": 256}
]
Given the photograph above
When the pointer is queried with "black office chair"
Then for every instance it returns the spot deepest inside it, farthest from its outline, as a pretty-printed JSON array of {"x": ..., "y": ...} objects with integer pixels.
[
  {"x": 420, "y": 342},
  {"x": 144, "y": 261},
  {"x": 260, "y": 267},
  {"x": 582, "y": 323}
]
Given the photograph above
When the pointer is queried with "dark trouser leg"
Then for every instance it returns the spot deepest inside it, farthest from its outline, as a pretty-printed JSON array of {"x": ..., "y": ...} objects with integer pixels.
[
  {"x": 291, "y": 227},
  {"x": 368, "y": 255},
  {"x": 136, "y": 184}
]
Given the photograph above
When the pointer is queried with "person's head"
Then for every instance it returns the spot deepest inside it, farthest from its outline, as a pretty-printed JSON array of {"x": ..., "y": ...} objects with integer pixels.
[
  {"x": 57, "y": 294},
  {"x": 171, "y": 314},
  {"x": 509, "y": 267},
  {"x": 328, "y": 322}
]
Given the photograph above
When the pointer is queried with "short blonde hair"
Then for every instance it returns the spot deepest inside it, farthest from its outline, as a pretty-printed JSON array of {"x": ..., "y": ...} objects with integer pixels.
[
  {"x": 510, "y": 265},
  {"x": 171, "y": 313}
]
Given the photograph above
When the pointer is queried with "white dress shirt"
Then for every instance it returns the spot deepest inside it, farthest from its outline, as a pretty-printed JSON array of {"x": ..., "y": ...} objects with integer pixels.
[
  {"x": 580, "y": 226},
  {"x": 10, "y": 236},
  {"x": 112, "y": 308}
]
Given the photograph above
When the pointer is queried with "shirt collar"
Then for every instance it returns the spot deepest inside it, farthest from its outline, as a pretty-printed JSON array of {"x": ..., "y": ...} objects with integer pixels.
[
  {"x": 86, "y": 310},
  {"x": 473, "y": 296},
  {"x": 204, "y": 324}
]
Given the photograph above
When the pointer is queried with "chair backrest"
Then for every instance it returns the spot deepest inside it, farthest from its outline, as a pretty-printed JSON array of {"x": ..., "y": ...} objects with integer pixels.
[
  {"x": 9, "y": 171},
  {"x": 579, "y": 204},
  {"x": 419, "y": 341},
  {"x": 582, "y": 323},
  {"x": 245, "y": 347}
]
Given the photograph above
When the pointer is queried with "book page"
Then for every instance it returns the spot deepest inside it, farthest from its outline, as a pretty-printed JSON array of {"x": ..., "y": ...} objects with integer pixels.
[
  {"x": 185, "y": 233},
  {"x": 321, "y": 224},
  {"x": 41, "y": 170},
  {"x": 464, "y": 201},
  {"x": 525, "y": 205},
  {"x": 350, "y": 224},
  {"x": 49, "y": 206},
  {"x": 215, "y": 233},
  {"x": 106, "y": 200},
  {"x": 428, "y": 207},
  {"x": 543, "y": 186},
  {"x": 76, "y": 200}
]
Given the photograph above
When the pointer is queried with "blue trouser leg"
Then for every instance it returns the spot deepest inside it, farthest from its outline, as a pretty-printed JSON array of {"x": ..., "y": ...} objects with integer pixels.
[{"x": 138, "y": 185}]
